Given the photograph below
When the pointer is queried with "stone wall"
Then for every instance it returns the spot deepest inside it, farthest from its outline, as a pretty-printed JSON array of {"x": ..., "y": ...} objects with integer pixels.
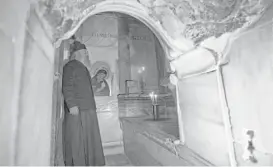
[
  {"x": 11, "y": 46},
  {"x": 202, "y": 118},
  {"x": 99, "y": 34},
  {"x": 26, "y": 86},
  {"x": 123, "y": 53},
  {"x": 35, "y": 105},
  {"x": 248, "y": 83},
  {"x": 143, "y": 55}
]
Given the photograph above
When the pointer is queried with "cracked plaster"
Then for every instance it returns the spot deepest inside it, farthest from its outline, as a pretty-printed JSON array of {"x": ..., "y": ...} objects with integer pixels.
[
  {"x": 187, "y": 24},
  {"x": 195, "y": 20}
]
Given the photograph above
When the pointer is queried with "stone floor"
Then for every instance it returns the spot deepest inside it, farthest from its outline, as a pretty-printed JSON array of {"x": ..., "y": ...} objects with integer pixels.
[
  {"x": 114, "y": 155},
  {"x": 117, "y": 160}
]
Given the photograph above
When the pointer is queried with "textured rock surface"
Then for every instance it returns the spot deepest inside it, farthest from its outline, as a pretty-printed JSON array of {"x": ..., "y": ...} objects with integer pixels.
[{"x": 195, "y": 20}]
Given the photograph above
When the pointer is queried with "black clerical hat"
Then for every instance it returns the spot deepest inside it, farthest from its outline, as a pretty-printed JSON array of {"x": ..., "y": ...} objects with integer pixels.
[{"x": 78, "y": 46}]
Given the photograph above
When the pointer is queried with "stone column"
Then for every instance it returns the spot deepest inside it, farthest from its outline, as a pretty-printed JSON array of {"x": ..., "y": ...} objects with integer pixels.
[
  {"x": 124, "y": 66},
  {"x": 12, "y": 34},
  {"x": 161, "y": 59},
  {"x": 33, "y": 139}
]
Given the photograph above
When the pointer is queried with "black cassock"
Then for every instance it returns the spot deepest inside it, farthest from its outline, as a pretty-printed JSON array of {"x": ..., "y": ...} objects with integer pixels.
[{"x": 81, "y": 135}]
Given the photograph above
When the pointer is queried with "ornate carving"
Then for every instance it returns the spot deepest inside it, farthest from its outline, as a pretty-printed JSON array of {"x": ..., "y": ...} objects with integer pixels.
[{"x": 195, "y": 20}]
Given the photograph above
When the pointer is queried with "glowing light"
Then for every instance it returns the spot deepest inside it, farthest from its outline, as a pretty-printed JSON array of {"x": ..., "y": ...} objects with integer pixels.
[
  {"x": 153, "y": 97},
  {"x": 143, "y": 68}
]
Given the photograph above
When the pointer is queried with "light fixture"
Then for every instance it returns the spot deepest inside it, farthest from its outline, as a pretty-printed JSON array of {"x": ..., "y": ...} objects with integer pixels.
[{"x": 143, "y": 68}]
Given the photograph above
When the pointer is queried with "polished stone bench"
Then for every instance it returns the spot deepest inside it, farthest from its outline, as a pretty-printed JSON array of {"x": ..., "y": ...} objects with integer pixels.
[{"x": 146, "y": 144}]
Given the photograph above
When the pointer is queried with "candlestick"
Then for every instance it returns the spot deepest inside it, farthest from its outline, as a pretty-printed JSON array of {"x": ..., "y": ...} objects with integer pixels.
[
  {"x": 155, "y": 112},
  {"x": 152, "y": 97}
]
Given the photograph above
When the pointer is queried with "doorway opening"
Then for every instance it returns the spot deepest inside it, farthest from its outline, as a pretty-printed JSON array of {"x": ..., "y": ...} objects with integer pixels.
[{"x": 136, "y": 66}]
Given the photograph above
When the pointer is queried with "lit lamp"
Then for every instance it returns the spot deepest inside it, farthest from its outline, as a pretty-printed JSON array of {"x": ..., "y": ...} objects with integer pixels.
[{"x": 155, "y": 105}]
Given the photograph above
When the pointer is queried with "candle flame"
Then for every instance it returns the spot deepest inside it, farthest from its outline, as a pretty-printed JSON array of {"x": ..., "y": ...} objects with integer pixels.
[{"x": 153, "y": 97}]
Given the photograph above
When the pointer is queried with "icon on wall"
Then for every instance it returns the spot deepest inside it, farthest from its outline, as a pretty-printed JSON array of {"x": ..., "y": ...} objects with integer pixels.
[{"x": 101, "y": 72}]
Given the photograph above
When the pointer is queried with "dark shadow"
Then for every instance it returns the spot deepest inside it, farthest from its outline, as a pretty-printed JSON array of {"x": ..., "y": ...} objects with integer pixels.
[{"x": 159, "y": 119}]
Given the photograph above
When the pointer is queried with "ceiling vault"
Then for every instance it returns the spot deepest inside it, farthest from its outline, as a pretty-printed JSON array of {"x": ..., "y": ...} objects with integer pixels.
[{"x": 194, "y": 20}]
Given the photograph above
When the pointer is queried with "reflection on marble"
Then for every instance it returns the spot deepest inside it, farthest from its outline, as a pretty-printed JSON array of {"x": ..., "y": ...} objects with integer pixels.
[
  {"x": 163, "y": 133},
  {"x": 138, "y": 109},
  {"x": 145, "y": 145},
  {"x": 106, "y": 106}
]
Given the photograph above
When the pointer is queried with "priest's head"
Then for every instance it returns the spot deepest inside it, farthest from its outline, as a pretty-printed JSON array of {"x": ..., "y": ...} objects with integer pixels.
[{"x": 80, "y": 53}]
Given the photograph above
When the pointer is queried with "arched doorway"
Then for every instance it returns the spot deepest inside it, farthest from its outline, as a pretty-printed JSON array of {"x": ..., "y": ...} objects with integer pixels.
[
  {"x": 131, "y": 8},
  {"x": 158, "y": 42}
]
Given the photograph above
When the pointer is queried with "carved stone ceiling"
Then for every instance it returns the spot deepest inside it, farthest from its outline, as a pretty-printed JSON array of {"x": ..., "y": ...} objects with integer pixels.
[{"x": 194, "y": 20}]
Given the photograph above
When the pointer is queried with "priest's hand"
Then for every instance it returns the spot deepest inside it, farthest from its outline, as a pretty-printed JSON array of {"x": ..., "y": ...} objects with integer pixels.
[{"x": 74, "y": 110}]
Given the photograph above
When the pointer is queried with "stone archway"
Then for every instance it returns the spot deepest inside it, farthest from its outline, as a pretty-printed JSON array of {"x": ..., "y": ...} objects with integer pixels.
[
  {"x": 36, "y": 151},
  {"x": 131, "y": 8},
  {"x": 134, "y": 9},
  {"x": 164, "y": 40}
]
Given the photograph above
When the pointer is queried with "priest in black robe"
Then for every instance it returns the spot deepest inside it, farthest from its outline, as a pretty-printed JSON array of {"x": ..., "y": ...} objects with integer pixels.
[{"x": 81, "y": 134}]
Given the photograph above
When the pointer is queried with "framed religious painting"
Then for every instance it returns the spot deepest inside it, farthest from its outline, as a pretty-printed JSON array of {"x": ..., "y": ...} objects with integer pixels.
[{"x": 102, "y": 79}]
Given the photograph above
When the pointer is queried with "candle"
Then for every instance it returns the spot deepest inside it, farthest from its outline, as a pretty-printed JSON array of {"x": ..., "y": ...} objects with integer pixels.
[{"x": 152, "y": 96}]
